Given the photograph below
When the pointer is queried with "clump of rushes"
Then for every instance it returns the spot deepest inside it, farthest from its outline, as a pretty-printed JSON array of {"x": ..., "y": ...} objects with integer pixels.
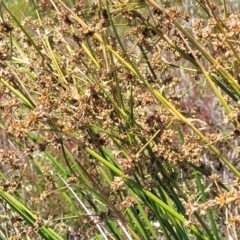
[{"x": 119, "y": 120}]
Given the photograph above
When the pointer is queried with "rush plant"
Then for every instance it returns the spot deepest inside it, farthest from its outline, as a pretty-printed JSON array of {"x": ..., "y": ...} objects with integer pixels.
[{"x": 119, "y": 120}]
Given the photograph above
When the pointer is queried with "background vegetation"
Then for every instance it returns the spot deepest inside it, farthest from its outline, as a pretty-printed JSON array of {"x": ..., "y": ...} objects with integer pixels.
[{"x": 119, "y": 119}]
